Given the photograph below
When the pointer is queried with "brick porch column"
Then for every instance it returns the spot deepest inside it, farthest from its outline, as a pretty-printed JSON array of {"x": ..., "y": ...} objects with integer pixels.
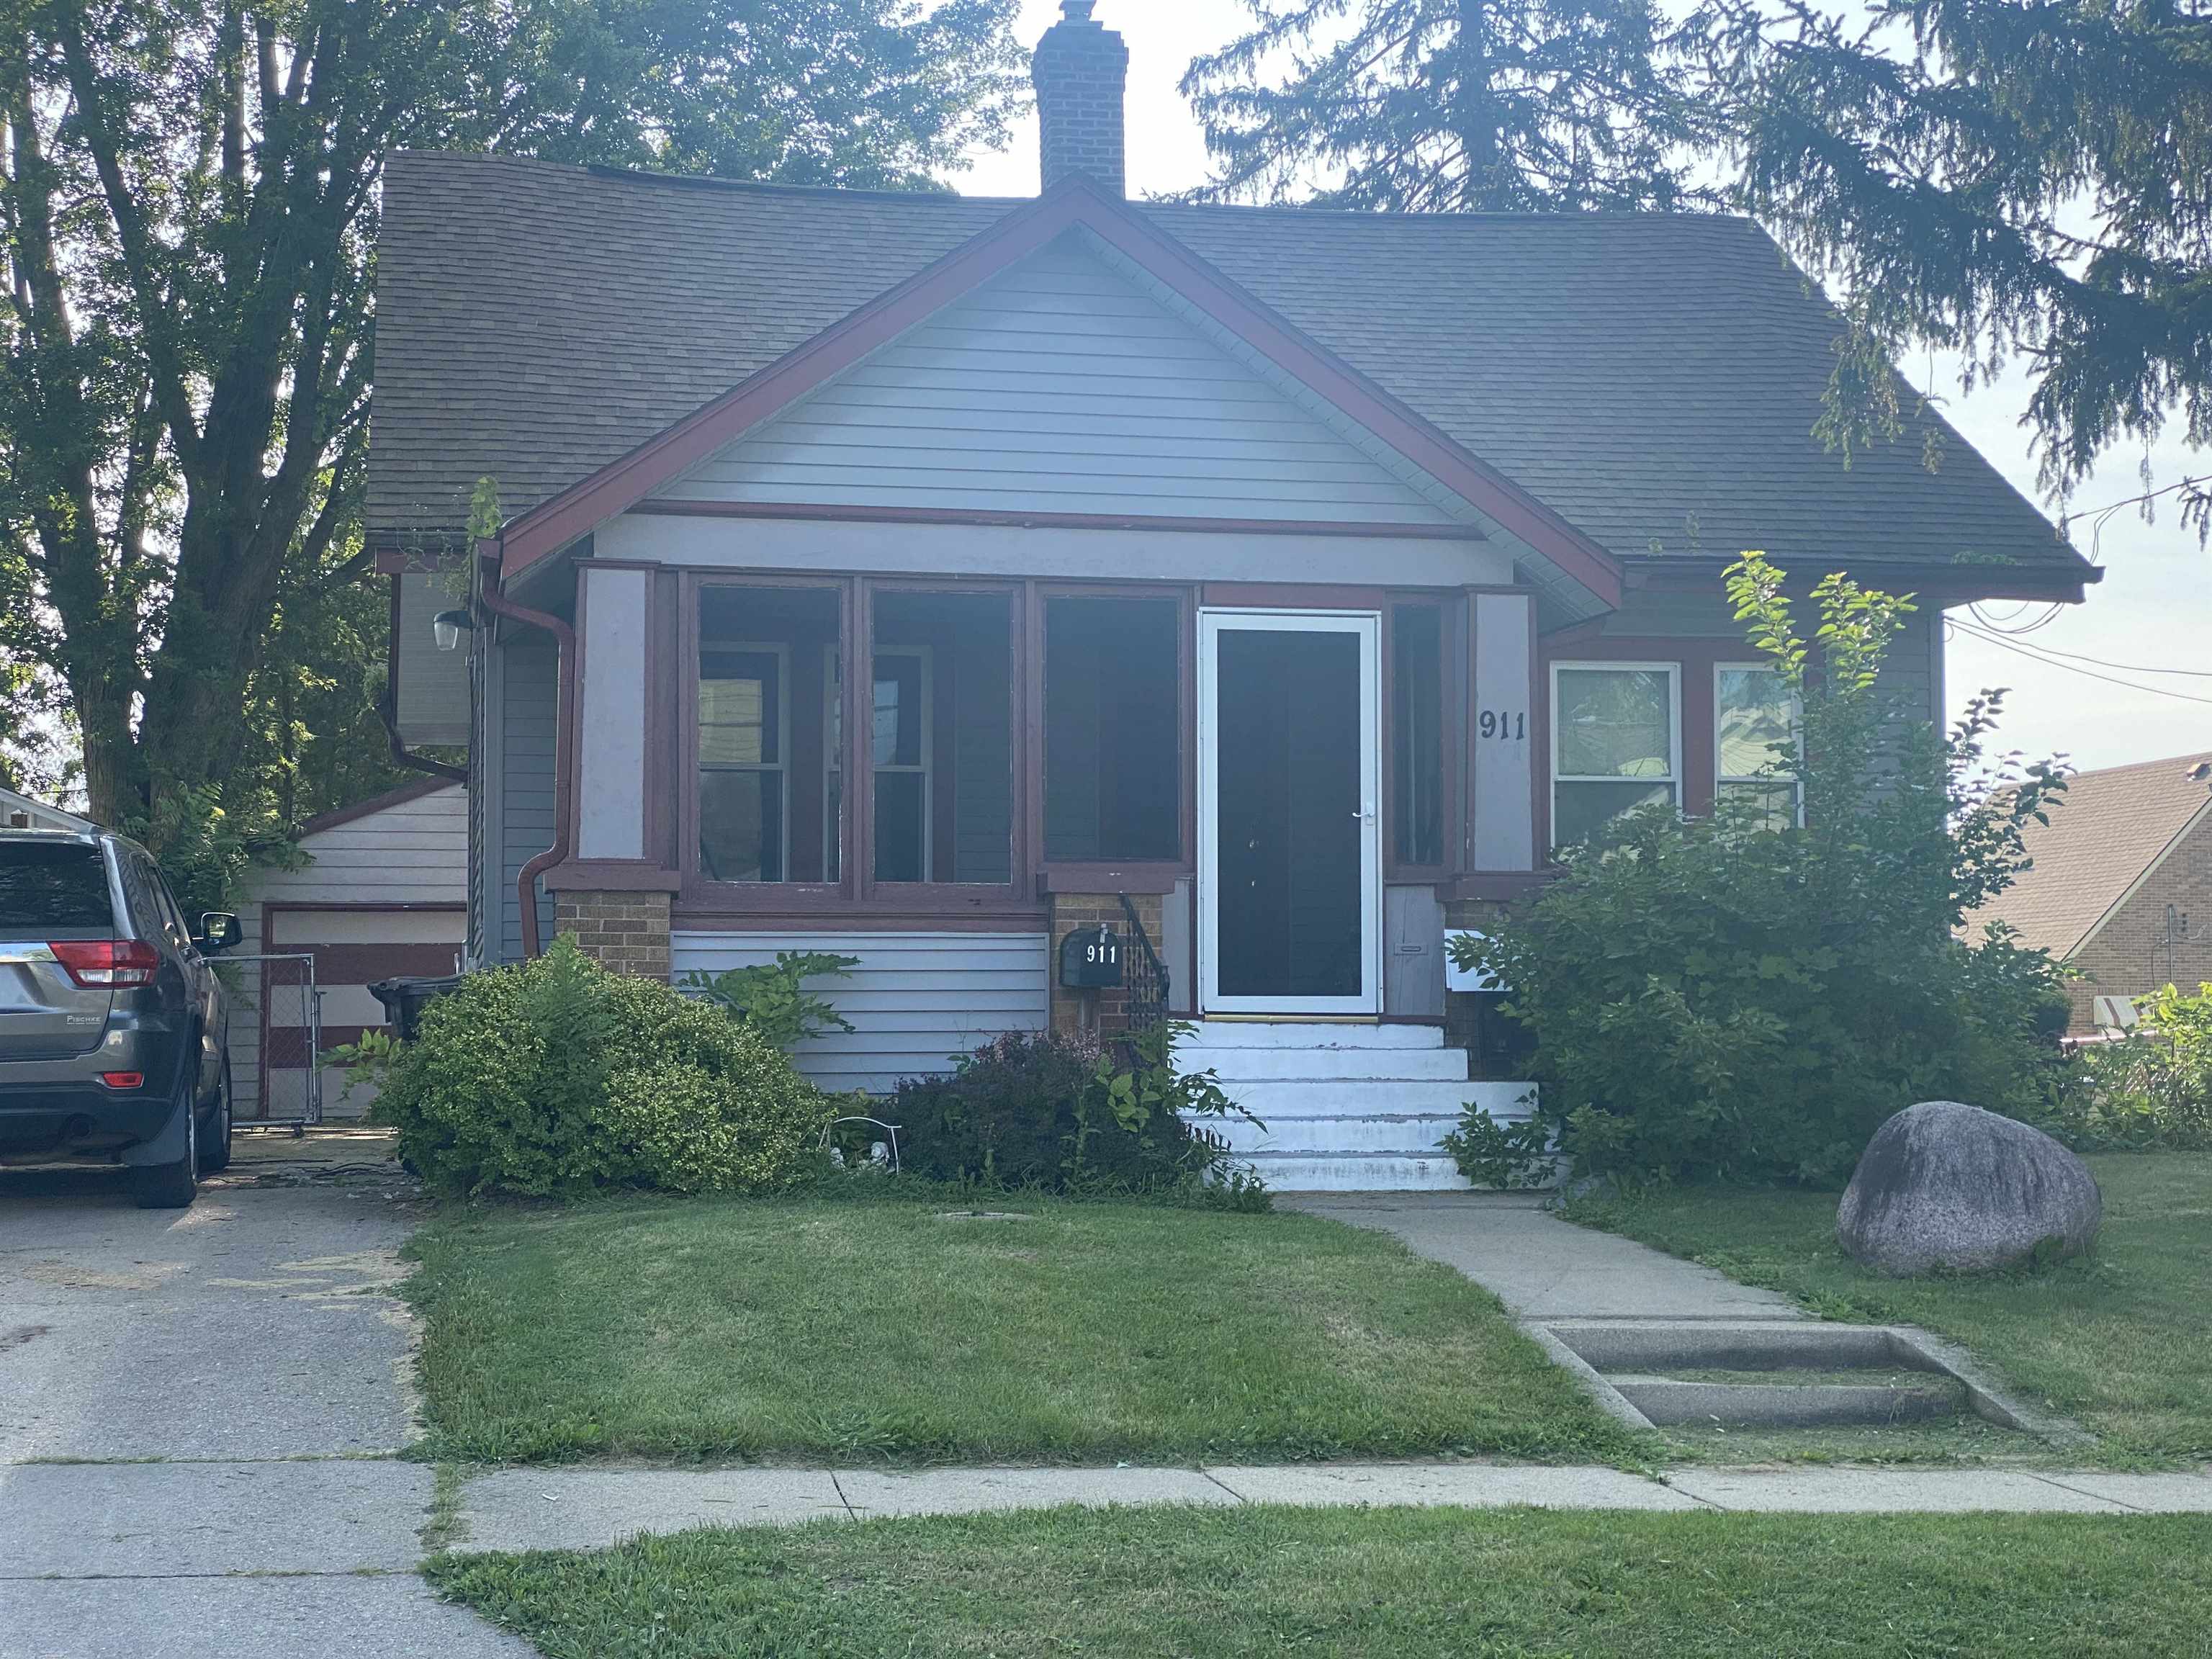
[
  {"x": 626, "y": 932},
  {"x": 1072, "y": 911}
]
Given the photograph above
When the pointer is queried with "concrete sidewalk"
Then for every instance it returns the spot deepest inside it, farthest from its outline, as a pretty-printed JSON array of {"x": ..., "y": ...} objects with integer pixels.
[
  {"x": 593, "y": 1508},
  {"x": 1542, "y": 1267}
]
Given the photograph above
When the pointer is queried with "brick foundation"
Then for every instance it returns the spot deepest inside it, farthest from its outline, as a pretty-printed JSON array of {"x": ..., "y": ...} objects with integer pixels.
[
  {"x": 1072, "y": 911},
  {"x": 626, "y": 932}
]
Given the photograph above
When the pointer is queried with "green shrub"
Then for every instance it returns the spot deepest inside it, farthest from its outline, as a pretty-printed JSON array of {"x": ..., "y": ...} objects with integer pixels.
[
  {"x": 2152, "y": 1089},
  {"x": 773, "y": 999},
  {"x": 1722, "y": 998},
  {"x": 1495, "y": 1154},
  {"x": 557, "y": 1079},
  {"x": 1064, "y": 1113}
]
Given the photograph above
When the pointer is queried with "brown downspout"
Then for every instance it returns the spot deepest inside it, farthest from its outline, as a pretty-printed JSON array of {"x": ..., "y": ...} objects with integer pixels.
[{"x": 564, "y": 640}]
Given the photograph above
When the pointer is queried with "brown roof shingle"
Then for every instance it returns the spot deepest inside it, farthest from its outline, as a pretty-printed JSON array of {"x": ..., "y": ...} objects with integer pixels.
[
  {"x": 2111, "y": 828},
  {"x": 1651, "y": 378}
]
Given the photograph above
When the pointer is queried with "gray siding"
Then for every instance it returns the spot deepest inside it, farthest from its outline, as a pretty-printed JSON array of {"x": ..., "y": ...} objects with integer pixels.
[
  {"x": 1059, "y": 387},
  {"x": 918, "y": 1000},
  {"x": 528, "y": 719}
]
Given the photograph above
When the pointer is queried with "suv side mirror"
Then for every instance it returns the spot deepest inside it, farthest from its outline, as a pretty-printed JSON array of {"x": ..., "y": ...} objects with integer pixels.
[{"x": 219, "y": 931}]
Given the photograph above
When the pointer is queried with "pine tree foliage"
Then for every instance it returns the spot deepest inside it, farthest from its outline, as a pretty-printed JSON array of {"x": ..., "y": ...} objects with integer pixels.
[
  {"x": 1433, "y": 106},
  {"x": 2007, "y": 178}
]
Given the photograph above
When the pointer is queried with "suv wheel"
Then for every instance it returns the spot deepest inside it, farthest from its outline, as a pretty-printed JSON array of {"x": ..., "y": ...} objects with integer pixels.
[
  {"x": 215, "y": 1145},
  {"x": 173, "y": 1186}
]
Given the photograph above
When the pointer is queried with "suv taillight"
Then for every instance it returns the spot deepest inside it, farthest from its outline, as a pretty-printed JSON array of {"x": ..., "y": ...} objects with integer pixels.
[{"x": 93, "y": 963}]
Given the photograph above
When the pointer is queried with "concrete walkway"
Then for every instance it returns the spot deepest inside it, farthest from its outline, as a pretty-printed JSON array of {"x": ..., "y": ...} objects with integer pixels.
[
  {"x": 1542, "y": 1267},
  {"x": 593, "y": 1508}
]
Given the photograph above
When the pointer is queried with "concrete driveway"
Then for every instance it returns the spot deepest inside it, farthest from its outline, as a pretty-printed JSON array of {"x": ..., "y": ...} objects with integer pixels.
[{"x": 198, "y": 1411}]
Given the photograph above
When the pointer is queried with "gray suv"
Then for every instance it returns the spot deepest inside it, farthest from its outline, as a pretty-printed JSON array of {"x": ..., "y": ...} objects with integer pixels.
[{"x": 115, "y": 1029}]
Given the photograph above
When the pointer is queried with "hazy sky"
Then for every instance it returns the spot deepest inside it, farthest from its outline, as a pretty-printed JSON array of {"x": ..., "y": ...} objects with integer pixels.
[{"x": 2154, "y": 609}]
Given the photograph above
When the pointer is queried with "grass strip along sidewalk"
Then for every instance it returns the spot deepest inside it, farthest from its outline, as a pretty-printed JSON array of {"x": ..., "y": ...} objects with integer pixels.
[
  {"x": 1404, "y": 1583},
  {"x": 836, "y": 1330},
  {"x": 2121, "y": 1340}
]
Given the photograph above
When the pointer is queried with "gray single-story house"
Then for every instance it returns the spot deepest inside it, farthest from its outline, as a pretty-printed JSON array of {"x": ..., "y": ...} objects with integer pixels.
[{"x": 1276, "y": 585}]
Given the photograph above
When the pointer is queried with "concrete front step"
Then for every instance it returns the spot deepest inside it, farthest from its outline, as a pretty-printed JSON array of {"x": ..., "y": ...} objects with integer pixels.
[
  {"x": 1789, "y": 1405},
  {"x": 1373, "y": 1096},
  {"x": 1355, "y": 1172},
  {"x": 1311, "y": 1034},
  {"x": 1415, "y": 1134},
  {"x": 1437, "y": 1065}
]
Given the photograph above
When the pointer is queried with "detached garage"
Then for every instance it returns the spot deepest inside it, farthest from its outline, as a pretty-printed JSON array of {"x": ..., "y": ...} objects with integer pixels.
[{"x": 385, "y": 891}]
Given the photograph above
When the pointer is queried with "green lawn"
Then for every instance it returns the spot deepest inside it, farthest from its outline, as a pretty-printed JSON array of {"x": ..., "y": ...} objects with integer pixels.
[
  {"x": 1391, "y": 1584},
  {"x": 846, "y": 1331},
  {"x": 2121, "y": 1340}
]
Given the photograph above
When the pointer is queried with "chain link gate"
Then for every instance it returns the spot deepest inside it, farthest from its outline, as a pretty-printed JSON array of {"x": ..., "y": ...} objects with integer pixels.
[{"x": 276, "y": 1041}]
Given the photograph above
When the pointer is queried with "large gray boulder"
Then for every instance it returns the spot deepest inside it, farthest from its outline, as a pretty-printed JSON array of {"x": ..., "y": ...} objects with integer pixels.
[{"x": 1947, "y": 1185}]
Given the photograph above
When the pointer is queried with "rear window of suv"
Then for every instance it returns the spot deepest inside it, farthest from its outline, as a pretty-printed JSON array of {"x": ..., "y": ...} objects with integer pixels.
[{"x": 51, "y": 886}]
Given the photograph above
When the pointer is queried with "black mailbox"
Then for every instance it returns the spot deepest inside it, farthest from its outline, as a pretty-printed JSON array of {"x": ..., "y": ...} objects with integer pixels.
[{"x": 1090, "y": 957}]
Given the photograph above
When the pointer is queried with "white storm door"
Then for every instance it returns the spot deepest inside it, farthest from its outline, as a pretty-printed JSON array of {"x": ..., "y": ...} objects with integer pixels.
[{"x": 1290, "y": 835}]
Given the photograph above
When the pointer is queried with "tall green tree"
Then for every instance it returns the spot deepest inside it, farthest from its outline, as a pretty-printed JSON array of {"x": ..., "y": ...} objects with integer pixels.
[
  {"x": 1431, "y": 105},
  {"x": 188, "y": 212},
  {"x": 2028, "y": 178}
]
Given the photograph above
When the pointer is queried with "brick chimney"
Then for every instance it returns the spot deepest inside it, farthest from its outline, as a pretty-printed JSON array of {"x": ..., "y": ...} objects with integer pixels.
[{"x": 1082, "y": 70}]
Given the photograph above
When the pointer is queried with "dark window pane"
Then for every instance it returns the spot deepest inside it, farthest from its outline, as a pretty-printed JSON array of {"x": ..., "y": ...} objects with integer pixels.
[
  {"x": 53, "y": 885},
  {"x": 1113, "y": 751},
  {"x": 768, "y": 734},
  {"x": 1579, "y": 810},
  {"x": 1417, "y": 712},
  {"x": 901, "y": 826},
  {"x": 1288, "y": 848},
  {"x": 941, "y": 744},
  {"x": 741, "y": 825}
]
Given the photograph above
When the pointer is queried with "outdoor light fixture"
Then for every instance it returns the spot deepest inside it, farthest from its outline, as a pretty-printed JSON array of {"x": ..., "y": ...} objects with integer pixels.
[{"x": 447, "y": 625}]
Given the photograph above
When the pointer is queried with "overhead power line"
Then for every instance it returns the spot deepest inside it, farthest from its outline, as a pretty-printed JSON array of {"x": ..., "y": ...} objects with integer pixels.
[{"x": 2035, "y": 655}]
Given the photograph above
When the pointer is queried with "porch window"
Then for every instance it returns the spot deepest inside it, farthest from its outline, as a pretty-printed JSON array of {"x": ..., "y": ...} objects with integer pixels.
[
  {"x": 1113, "y": 727},
  {"x": 1417, "y": 743},
  {"x": 766, "y": 813},
  {"x": 1616, "y": 744},
  {"x": 941, "y": 738},
  {"x": 1755, "y": 719}
]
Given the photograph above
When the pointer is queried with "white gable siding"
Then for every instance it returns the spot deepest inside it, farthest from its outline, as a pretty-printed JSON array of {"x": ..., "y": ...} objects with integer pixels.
[
  {"x": 1058, "y": 387},
  {"x": 917, "y": 1000}
]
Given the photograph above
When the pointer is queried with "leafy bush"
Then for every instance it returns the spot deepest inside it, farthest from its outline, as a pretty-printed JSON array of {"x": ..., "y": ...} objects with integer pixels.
[
  {"x": 558, "y": 1078},
  {"x": 1043, "y": 1109},
  {"x": 773, "y": 998},
  {"x": 1505, "y": 1156},
  {"x": 1722, "y": 998},
  {"x": 2151, "y": 1090}
]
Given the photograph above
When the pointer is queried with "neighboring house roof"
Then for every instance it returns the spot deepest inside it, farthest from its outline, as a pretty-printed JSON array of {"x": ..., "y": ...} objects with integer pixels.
[
  {"x": 1651, "y": 378},
  {"x": 413, "y": 790},
  {"x": 2110, "y": 833},
  {"x": 42, "y": 815}
]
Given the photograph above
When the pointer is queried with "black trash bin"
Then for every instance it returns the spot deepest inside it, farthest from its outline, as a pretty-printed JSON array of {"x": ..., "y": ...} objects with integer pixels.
[{"x": 405, "y": 997}]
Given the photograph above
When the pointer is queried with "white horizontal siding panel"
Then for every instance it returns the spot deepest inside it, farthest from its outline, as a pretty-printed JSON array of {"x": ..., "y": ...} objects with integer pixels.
[
  {"x": 917, "y": 1000},
  {"x": 962, "y": 412}
]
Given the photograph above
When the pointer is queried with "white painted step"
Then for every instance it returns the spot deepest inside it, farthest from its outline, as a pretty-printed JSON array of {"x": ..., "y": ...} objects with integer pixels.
[
  {"x": 1438, "y": 1065},
  {"x": 1373, "y": 1098},
  {"x": 1409, "y": 1135},
  {"x": 1292, "y": 1172},
  {"x": 1311, "y": 1034}
]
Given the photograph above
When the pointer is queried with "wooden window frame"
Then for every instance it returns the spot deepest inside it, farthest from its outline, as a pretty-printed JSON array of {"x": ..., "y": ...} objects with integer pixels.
[
  {"x": 1721, "y": 780},
  {"x": 1119, "y": 875},
  {"x": 1677, "y": 777},
  {"x": 781, "y": 654},
  {"x": 1453, "y": 687}
]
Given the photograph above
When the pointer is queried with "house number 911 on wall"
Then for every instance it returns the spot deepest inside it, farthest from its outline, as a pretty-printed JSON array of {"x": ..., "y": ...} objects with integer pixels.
[{"x": 1506, "y": 725}]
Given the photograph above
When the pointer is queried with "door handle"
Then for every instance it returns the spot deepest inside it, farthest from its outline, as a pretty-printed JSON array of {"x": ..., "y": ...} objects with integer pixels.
[{"x": 1365, "y": 815}]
